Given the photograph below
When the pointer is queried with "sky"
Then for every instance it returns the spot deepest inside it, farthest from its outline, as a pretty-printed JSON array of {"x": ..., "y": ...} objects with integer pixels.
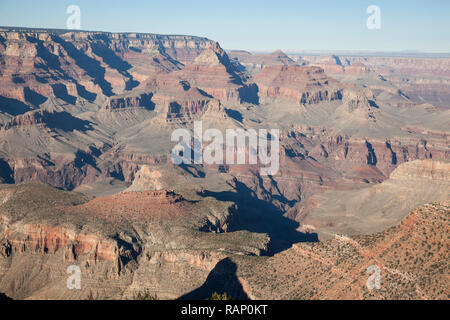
[{"x": 256, "y": 25}]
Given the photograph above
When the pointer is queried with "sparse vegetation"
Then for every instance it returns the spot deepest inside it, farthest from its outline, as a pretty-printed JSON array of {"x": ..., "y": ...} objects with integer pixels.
[
  {"x": 218, "y": 296},
  {"x": 145, "y": 295}
]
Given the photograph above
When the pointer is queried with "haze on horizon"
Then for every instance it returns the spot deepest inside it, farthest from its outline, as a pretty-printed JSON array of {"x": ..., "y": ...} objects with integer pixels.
[{"x": 414, "y": 25}]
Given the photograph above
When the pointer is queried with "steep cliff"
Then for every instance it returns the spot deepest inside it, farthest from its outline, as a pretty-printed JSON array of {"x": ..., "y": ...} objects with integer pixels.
[{"x": 115, "y": 241}]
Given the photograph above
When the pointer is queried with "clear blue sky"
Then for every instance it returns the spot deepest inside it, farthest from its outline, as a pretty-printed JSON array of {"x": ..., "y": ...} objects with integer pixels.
[{"x": 256, "y": 25}]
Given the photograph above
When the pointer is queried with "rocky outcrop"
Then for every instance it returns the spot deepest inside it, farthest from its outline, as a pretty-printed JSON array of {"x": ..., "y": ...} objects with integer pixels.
[
  {"x": 213, "y": 73},
  {"x": 352, "y": 152},
  {"x": 120, "y": 103},
  {"x": 186, "y": 110},
  {"x": 355, "y": 99},
  {"x": 410, "y": 74},
  {"x": 177, "y": 100},
  {"x": 302, "y": 85},
  {"x": 148, "y": 179},
  {"x": 28, "y": 119},
  {"x": 275, "y": 58},
  {"x": 254, "y": 63},
  {"x": 44, "y": 239},
  {"x": 61, "y": 120},
  {"x": 337, "y": 65},
  {"x": 423, "y": 169},
  {"x": 143, "y": 205}
]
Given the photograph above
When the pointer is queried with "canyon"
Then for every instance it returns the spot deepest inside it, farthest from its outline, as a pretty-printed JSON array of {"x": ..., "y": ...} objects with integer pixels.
[{"x": 87, "y": 178}]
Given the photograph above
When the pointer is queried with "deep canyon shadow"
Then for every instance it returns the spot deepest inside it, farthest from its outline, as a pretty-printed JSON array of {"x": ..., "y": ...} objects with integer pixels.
[
  {"x": 221, "y": 279},
  {"x": 66, "y": 122},
  {"x": 12, "y": 106},
  {"x": 256, "y": 215}
]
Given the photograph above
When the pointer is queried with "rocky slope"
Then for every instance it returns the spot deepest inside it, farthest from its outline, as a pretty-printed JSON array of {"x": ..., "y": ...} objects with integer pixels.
[
  {"x": 166, "y": 251},
  {"x": 116, "y": 241},
  {"x": 375, "y": 208},
  {"x": 412, "y": 259}
]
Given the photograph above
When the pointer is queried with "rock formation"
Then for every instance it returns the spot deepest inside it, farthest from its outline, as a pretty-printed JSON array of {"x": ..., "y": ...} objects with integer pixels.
[
  {"x": 113, "y": 240},
  {"x": 303, "y": 85},
  {"x": 361, "y": 145}
]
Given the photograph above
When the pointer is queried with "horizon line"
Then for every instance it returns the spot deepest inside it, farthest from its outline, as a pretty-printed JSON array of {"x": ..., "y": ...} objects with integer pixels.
[{"x": 407, "y": 52}]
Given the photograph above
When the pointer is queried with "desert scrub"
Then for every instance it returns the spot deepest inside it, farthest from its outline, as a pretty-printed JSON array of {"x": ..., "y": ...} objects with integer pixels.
[{"x": 218, "y": 296}]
